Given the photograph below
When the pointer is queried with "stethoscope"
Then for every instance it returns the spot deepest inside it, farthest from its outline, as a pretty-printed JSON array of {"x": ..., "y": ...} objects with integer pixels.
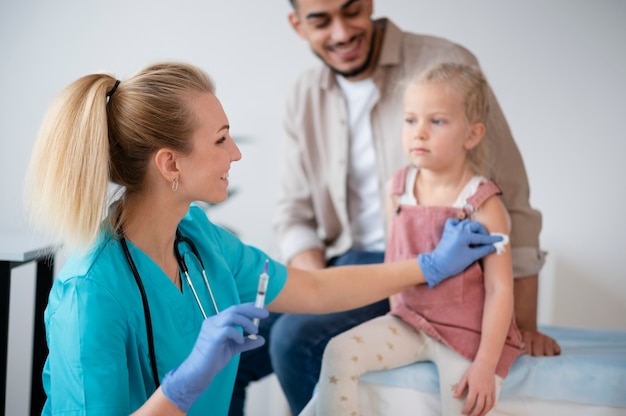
[{"x": 182, "y": 265}]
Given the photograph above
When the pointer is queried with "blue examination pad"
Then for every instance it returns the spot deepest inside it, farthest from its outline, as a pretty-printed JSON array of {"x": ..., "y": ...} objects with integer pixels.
[{"x": 590, "y": 370}]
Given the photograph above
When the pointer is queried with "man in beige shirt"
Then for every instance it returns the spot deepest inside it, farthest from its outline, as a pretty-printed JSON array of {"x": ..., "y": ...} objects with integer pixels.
[{"x": 343, "y": 127}]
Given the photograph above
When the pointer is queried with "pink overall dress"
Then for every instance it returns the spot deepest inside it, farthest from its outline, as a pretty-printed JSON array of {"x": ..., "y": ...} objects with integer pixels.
[{"x": 451, "y": 312}]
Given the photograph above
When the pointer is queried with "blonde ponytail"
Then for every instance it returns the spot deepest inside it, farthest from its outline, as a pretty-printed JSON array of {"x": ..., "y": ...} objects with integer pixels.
[{"x": 68, "y": 175}]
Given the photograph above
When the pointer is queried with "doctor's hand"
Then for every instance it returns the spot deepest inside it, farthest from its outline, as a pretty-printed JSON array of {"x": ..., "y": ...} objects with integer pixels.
[
  {"x": 463, "y": 242},
  {"x": 219, "y": 341}
]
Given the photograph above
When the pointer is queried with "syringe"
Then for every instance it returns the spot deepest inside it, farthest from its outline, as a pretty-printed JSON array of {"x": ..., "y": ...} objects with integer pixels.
[{"x": 260, "y": 294}]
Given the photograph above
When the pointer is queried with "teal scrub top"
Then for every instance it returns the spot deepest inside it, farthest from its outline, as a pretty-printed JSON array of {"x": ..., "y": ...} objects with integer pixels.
[{"x": 98, "y": 361}]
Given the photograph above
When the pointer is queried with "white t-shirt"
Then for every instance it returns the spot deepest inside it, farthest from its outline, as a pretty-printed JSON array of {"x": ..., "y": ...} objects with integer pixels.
[{"x": 364, "y": 206}]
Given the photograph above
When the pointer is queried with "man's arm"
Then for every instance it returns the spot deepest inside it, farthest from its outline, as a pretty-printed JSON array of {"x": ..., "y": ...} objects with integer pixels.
[
  {"x": 311, "y": 259},
  {"x": 525, "y": 292},
  {"x": 295, "y": 222}
]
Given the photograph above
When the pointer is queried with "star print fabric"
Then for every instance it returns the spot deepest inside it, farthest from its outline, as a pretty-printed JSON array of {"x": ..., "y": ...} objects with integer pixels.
[{"x": 383, "y": 343}]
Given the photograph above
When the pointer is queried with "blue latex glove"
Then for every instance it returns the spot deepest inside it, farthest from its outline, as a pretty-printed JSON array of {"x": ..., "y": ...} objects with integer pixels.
[
  {"x": 463, "y": 242},
  {"x": 218, "y": 342}
]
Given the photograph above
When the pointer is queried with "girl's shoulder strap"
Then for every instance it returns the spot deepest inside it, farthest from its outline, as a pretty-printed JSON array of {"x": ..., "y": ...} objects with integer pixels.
[
  {"x": 399, "y": 181},
  {"x": 485, "y": 190},
  {"x": 398, "y": 185}
]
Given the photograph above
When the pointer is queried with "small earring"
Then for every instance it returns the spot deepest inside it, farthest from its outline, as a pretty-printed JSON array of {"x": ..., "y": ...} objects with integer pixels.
[{"x": 175, "y": 185}]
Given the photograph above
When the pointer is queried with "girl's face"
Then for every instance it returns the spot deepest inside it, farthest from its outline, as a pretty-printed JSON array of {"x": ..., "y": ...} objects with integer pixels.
[
  {"x": 204, "y": 171},
  {"x": 436, "y": 133}
]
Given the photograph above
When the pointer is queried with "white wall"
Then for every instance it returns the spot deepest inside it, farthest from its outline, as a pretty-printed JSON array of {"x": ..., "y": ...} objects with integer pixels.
[{"x": 557, "y": 68}]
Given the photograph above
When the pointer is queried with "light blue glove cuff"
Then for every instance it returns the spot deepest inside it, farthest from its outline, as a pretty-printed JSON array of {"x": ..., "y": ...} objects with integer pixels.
[
  {"x": 176, "y": 392},
  {"x": 433, "y": 278}
]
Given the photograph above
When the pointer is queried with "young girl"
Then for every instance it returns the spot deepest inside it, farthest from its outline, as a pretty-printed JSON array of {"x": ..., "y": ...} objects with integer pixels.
[{"x": 465, "y": 325}]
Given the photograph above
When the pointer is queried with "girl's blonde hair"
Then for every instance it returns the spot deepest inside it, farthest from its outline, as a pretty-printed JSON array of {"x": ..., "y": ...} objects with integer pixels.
[
  {"x": 89, "y": 139},
  {"x": 470, "y": 83}
]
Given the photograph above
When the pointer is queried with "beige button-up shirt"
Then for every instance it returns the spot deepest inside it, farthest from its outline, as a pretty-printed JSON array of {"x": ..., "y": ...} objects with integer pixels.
[{"x": 312, "y": 211}]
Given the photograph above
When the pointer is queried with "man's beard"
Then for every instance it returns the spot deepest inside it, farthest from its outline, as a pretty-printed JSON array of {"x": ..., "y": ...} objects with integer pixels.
[{"x": 360, "y": 69}]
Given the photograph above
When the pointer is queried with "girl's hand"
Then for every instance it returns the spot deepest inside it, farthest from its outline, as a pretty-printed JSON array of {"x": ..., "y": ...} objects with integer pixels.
[{"x": 479, "y": 381}]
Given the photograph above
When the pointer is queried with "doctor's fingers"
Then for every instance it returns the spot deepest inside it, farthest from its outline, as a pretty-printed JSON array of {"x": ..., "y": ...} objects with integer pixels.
[
  {"x": 246, "y": 309},
  {"x": 230, "y": 320},
  {"x": 220, "y": 336},
  {"x": 249, "y": 344},
  {"x": 482, "y": 239}
]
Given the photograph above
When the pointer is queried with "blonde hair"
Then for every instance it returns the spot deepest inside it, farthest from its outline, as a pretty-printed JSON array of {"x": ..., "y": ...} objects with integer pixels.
[
  {"x": 470, "y": 83},
  {"x": 88, "y": 139}
]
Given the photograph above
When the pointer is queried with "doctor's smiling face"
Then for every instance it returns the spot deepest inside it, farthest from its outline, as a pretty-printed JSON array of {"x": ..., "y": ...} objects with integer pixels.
[{"x": 204, "y": 171}]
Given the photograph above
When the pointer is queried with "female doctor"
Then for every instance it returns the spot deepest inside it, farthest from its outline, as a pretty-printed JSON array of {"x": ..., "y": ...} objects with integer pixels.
[{"x": 132, "y": 324}]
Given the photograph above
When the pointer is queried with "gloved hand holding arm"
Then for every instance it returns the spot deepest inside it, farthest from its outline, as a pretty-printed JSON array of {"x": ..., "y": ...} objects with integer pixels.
[
  {"x": 462, "y": 243},
  {"x": 218, "y": 342}
]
